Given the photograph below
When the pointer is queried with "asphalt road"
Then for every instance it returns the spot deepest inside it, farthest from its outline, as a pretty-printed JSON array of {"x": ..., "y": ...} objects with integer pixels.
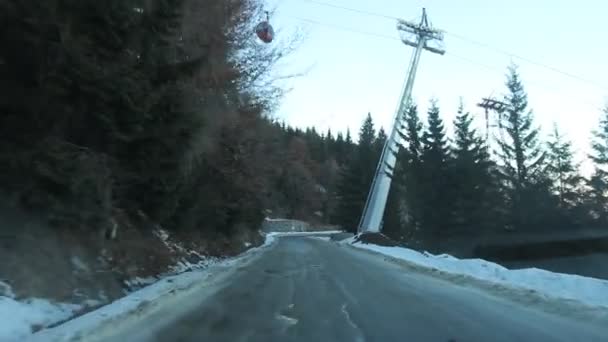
[{"x": 304, "y": 289}]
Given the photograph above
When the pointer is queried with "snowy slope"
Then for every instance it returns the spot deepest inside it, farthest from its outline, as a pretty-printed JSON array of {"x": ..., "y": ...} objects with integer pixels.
[
  {"x": 118, "y": 309},
  {"x": 140, "y": 300},
  {"x": 19, "y": 318},
  {"x": 589, "y": 291},
  {"x": 271, "y": 236}
]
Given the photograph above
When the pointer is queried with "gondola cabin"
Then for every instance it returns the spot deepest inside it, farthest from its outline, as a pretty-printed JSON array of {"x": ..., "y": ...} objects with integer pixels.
[{"x": 264, "y": 31}]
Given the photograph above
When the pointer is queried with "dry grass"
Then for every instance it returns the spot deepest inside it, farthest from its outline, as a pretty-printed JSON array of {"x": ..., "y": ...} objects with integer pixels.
[{"x": 72, "y": 265}]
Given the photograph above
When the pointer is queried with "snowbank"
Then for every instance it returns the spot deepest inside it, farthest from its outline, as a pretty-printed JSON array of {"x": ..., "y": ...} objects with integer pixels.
[
  {"x": 589, "y": 291},
  {"x": 17, "y": 318},
  {"x": 323, "y": 238},
  {"x": 278, "y": 234},
  {"x": 123, "y": 307},
  {"x": 134, "y": 301}
]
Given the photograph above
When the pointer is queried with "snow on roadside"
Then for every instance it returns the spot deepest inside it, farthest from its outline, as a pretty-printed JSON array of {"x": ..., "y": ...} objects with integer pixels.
[
  {"x": 348, "y": 241},
  {"x": 17, "y": 318},
  {"x": 589, "y": 291},
  {"x": 6, "y": 290},
  {"x": 323, "y": 238},
  {"x": 89, "y": 321},
  {"x": 92, "y": 320},
  {"x": 326, "y": 232}
]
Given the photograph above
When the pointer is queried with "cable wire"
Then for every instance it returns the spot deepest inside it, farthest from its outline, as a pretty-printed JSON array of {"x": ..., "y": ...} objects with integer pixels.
[
  {"x": 471, "y": 41},
  {"x": 343, "y": 28},
  {"x": 448, "y": 54},
  {"x": 354, "y": 10}
]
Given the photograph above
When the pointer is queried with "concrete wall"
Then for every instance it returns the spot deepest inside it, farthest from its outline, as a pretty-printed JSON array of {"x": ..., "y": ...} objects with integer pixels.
[
  {"x": 284, "y": 225},
  {"x": 287, "y": 225}
]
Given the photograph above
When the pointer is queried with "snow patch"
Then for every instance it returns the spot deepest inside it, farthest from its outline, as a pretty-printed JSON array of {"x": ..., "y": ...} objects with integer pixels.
[
  {"x": 589, "y": 291},
  {"x": 79, "y": 265},
  {"x": 125, "y": 307},
  {"x": 276, "y": 219},
  {"x": 323, "y": 238},
  {"x": 90, "y": 321},
  {"x": 183, "y": 265},
  {"x": 19, "y": 318},
  {"x": 6, "y": 290},
  {"x": 348, "y": 241},
  {"x": 279, "y": 234},
  {"x": 139, "y": 282},
  {"x": 41, "y": 314},
  {"x": 163, "y": 235}
]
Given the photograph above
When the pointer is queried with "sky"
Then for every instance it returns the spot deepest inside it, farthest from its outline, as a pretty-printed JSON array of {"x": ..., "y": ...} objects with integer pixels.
[{"x": 354, "y": 63}]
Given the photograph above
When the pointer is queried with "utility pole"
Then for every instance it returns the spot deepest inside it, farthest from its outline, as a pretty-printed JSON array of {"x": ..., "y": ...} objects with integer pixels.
[
  {"x": 421, "y": 36},
  {"x": 488, "y": 103}
]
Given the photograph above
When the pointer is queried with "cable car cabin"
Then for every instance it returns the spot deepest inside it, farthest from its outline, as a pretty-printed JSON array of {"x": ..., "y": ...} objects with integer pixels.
[{"x": 265, "y": 32}]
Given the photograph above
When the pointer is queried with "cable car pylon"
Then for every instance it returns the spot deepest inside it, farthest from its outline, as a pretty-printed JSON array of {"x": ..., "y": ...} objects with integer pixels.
[{"x": 423, "y": 37}]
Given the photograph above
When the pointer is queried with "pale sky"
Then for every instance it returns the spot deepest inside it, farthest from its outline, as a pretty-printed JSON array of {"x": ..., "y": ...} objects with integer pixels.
[{"x": 352, "y": 73}]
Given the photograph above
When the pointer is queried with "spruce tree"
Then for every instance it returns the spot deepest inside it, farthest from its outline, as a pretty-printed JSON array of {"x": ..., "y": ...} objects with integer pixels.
[
  {"x": 435, "y": 150},
  {"x": 404, "y": 207},
  {"x": 366, "y": 146},
  {"x": 436, "y": 194},
  {"x": 412, "y": 136},
  {"x": 380, "y": 141},
  {"x": 597, "y": 195},
  {"x": 521, "y": 156},
  {"x": 562, "y": 169},
  {"x": 357, "y": 177},
  {"x": 348, "y": 139},
  {"x": 472, "y": 178},
  {"x": 329, "y": 135},
  {"x": 340, "y": 149}
]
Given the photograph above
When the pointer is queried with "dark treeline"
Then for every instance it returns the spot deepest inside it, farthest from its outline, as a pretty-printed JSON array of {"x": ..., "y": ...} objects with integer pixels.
[
  {"x": 160, "y": 107},
  {"x": 461, "y": 186},
  {"x": 140, "y": 106}
]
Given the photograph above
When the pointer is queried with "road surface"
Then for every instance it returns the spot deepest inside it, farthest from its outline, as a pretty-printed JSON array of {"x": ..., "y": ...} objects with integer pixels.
[{"x": 306, "y": 289}]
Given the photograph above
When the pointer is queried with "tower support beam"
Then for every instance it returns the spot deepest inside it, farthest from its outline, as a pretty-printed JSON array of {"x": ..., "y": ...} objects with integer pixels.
[{"x": 424, "y": 35}]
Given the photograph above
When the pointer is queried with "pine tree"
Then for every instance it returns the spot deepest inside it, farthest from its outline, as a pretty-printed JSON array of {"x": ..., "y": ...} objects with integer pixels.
[
  {"x": 357, "y": 177},
  {"x": 413, "y": 136},
  {"x": 329, "y": 146},
  {"x": 436, "y": 194},
  {"x": 404, "y": 206},
  {"x": 435, "y": 151},
  {"x": 380, "y": 141},
  {"x": 522, "y": 156},
  {"x": 329, "y": 136},
  {"x": 597, "y": 195},
  {"x": 367, "y": 133},
  {"x": 340, "y": 149},
  {"x": 472, "y": 178},
  {"x": 348, "y": 139},
  {"x": 562, "y": 169}
]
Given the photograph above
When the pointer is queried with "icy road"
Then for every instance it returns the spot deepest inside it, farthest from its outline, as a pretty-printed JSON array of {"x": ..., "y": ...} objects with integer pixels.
[{"x": 306, "y": 289}]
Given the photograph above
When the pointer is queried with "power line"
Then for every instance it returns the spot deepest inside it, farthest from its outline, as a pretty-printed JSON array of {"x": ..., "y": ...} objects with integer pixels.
[
  {"x": 354, "y": 10},
  {"x": 471, "y": 41},
  {"x": 528, "y": 60},
  {"x": 449, "y": 54},
  {"x": 343, "y": 28}
]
